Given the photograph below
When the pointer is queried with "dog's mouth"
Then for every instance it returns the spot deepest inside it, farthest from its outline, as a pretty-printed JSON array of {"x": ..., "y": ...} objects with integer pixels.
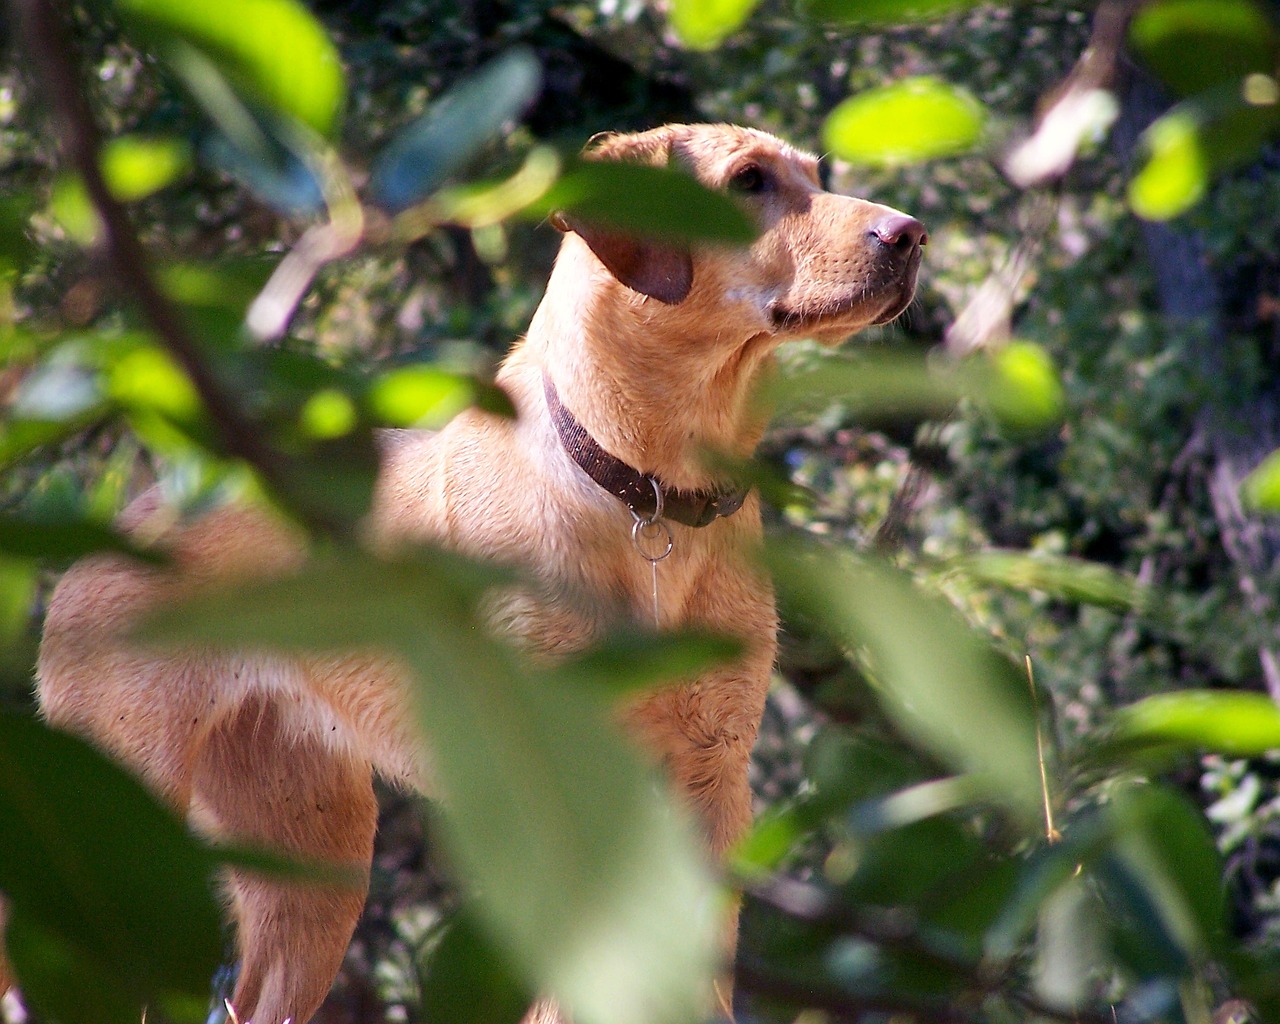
[{"x": 867, "y": 308}]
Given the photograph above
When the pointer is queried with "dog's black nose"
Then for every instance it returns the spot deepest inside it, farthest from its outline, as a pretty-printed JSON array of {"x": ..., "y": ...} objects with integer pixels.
[{"x": 898, "y": 229}]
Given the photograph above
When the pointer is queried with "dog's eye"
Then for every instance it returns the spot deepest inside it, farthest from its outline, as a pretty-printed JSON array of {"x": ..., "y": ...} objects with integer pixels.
[{"x": 751, "y": 179}]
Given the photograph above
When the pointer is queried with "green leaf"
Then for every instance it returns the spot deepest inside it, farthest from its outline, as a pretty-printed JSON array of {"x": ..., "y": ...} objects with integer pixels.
[
  {"x": 62, "y": 541},
  {"x": 630, "y": 660},
  {"x": 704, "y": 24},
  {"x": 467, "y": 979},
  {"x": 1175, "y": 175},
  {"x": 940, "y": 681},
  {"x": 1233, "y": 723},
  {"x": 1021, "y": 386},
  {"x": 583, "y": 874},
  {"x": 648, "y": 202},
  {"x": 1017, "y": 384},
  {"x": 886, "y": 12},
  {"x": 427, "y": 397},
  {"x": 1167, "y": 842},
  {"x": 452, "y": 132},
  {"x": 106, "y": 881},
  {"x": 137, "y": 166},
  {"x": 1068, "y": 579},
  {"x": 912, "y": 120},
  {"x": 1230, "y": 39},
  {"x": 1197, "y": 139},
  {"x": 1261, "y": 488},
  {"x": 273, "y": 50}
]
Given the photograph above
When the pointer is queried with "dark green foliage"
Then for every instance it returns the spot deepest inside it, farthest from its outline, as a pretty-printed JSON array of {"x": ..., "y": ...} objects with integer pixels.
[{"x": 915, "y": 863}]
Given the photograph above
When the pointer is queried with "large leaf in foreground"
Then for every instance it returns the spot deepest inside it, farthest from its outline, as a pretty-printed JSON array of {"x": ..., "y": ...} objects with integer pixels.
[
  {"x": 582, "y": 872},
  {"x": 650, "y": 202},
  {"x": 113, "y": 901},
  {"x": 940, "y": 681}
]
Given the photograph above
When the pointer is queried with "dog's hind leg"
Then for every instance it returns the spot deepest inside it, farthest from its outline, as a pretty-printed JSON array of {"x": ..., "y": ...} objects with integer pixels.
[{"x": 258, "y": 782}]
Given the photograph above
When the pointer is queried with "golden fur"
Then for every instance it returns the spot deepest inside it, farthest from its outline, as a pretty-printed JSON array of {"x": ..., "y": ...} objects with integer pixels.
[{"x": 656, "y": 350}]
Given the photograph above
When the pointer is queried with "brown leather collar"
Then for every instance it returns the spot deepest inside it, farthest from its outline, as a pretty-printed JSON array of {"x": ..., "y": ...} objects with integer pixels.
[{"x": 634, "y": 489}]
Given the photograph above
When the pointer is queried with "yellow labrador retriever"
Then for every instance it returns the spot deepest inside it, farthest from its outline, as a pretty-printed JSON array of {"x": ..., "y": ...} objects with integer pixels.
[{"x": 640, "y": 357}]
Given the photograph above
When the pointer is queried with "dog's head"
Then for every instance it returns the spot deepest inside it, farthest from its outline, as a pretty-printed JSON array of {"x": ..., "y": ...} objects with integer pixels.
[{"x": 823, "y": 265}]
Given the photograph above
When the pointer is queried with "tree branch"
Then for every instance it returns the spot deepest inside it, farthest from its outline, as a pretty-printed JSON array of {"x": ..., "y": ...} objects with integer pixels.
[{"x": 51, "y": 59}]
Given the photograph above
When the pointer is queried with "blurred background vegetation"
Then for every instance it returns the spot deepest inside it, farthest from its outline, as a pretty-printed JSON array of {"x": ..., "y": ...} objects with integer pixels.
[{"x": 1103, "y": 523}]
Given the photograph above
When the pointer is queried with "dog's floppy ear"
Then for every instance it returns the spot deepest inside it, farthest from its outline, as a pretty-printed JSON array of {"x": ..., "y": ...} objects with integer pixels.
[{"x": 663, "y": 272}]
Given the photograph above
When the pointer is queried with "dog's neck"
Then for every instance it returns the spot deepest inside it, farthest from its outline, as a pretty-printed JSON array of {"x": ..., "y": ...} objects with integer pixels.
[{"x": 658, "y": 407}]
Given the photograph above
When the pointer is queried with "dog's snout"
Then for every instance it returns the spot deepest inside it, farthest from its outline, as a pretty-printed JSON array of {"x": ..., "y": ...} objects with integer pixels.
[{"x": 900, "y": 230}]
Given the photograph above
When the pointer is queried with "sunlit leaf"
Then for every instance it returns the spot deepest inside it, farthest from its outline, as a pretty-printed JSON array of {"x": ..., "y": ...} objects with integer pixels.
[
  {"x": 1023, "y": 390},
  {"x": 427, "y": 397},
  {"x": 582, "y": 873},
  {"x": 937, "y": 678},
  {"x": 104, "y": 877},
  {"x": 1175, "y": 175},
  {"x": 649, "y": 202},
  {"x": 136, "y": 166},
  {"x": 1261, "y": 488},
  {"x": 133, "y": 167},
  {"x": 452, "y": 132},
  {"x": 886, "y": 12},
  {"x": 327, "y": 414},
  {"x": 273, "y": 50},
  {"x": 703, "y": 24},
  {"x": 1197, "y": 139},
  {"x": 1229, "y": 39},
  {"x": 912, "y": 120},
  {"x": 1230, "y": 722},
  {"x": 17, "y": 595}
]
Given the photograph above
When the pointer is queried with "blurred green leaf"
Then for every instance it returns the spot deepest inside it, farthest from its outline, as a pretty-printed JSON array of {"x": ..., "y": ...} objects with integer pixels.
[
  {"x": 452, "y": 132},
  {"x": 1069, "y": 579},
  {"x": 468, "y": 981},
  {"x": 1070, "y": 945},
  {"x": 427, "y": 397},
  {"x": 106, "y": 882},
  {"x": 630, "y": 660},
  {"x": 1261, "y": 488},
  {"x": 1187, "y": 146},
  {"x": 136, "y": 166},
  {"x": 704, "y": 24},
  {"x": 62, "y": 541},
  {"x": 133, "y": 167},
  {"x": 648, "y": 202},
  {"x": 1229, "y": 39},
  {"x": 1017, "y": 384},
  {"x": 940, "y": 681},
  {"x": 1233, "y": 723},
  {"x": 582, "y": 873},
  {"x": 1176, "y": 173},
  {"x": 17, "y": 595},
  {"x": 16, "y": 245},
  {"x": 65, "y": 982},
  {"x": 1022, "y": 388},
  {"x": 273, "y": 50},
  {"x": 908, "y": 121},
  {"x": 1168, "y": 843},
  {"x": 886, "y": 12}
]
